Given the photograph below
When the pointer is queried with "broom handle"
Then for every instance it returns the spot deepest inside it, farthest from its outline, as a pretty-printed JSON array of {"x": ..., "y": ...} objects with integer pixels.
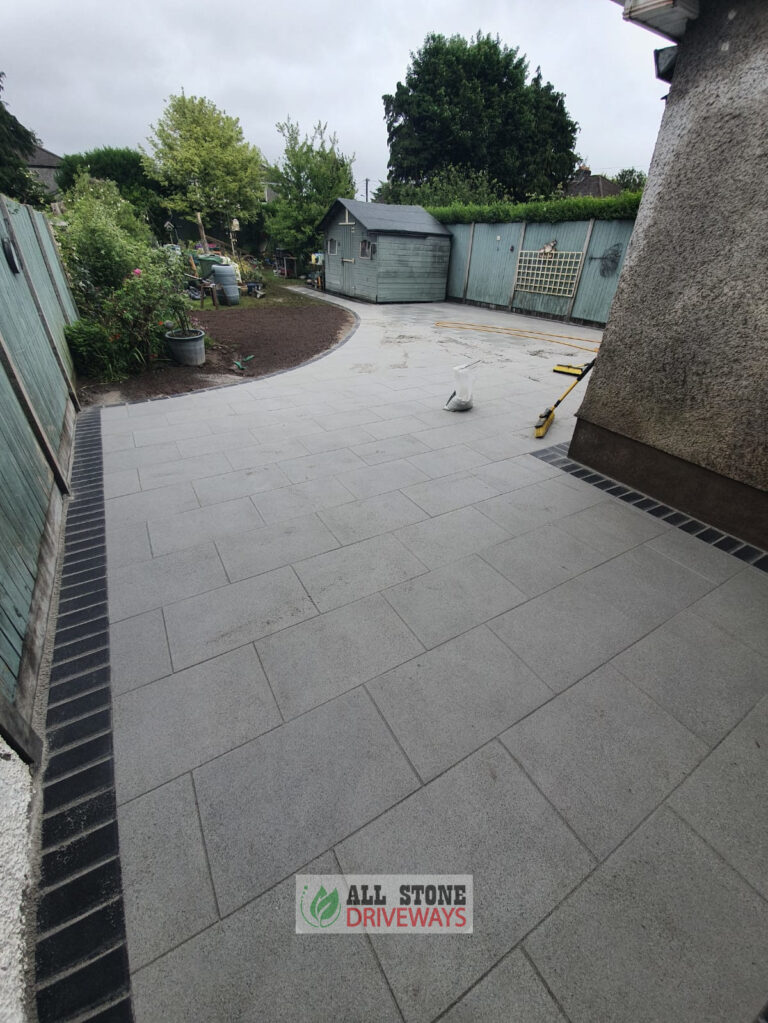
[{"x": 581, "y": 376}]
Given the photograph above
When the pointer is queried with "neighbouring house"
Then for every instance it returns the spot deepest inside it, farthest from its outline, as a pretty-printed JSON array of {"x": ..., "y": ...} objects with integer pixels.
[
  {"x": 385, "y": 253},
  {"x": 44, "y": 165},
  {"x": 587, "y": 183},
  {"x": 677, "y": 405}
]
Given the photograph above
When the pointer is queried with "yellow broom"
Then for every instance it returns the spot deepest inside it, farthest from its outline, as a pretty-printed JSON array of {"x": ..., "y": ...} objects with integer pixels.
[{"x": 547, "y": 417}]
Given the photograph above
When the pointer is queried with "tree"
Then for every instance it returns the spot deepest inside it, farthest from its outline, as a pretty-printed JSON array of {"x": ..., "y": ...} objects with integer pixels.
[
  {"x": 468, "y": 104},
  {"x": 199, "y": 154},
  {"x": 630, "y": 179},
  {"x": 310, "y": 176},
  {"x": 126, "y": 168},
  {"x": 444, "y": 188},
  {"x": 17, "y": 145}
]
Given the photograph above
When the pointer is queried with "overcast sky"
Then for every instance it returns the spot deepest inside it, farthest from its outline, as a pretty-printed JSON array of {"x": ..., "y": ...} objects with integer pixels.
[{"x": 88, "y": 73}]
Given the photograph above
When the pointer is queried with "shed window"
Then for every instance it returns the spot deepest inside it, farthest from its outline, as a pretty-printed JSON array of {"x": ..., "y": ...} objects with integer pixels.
[
  {"x": 367, "y": 249},
  {"x": 333, "y": 246}
]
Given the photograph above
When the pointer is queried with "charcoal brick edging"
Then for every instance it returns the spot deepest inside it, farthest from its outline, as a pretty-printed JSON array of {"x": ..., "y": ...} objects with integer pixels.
[
  {"x": 557, "y": 455},
  {"x": 81, "y": 957}
]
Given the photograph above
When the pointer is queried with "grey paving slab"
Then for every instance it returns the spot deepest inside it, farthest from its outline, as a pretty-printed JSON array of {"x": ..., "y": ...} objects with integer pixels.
[
  {"x": 314, "y": 662},
  {"x": 114, "y": 442},
  {"x": 342, "y": 420},
  {"x": 703, "y": 676},
  {"x": 357, "y": 570},
  {"x": 613, "y": 527},
  {"x": 605, "y": 755},
  {"x": 151, "y": 504},
  {"x": 138, "y": 650},
  {"x": 202, "y": 627},
  {"x": 567, "y": 632},
  {"x": 167, "y": 474},
  {"x": 332, "y": 440},
  {"x": 541, "y": 559},
  {"x": 740, "y": 606},
  {"x": 399, "y": 410},
  {"x": 273, "y": 804},
  {"x": 664, "y": 930},
  {"x": 120, "y": 482},
  {"x": 325, "y": 463},
  {"x": 512, "y": 991},
  {"x": 445, "y": 461},
  {"x": 265, "y": 454},
  {"x": 646, "y": 585},
  {"x": 696, "y": 555},
  {"x": 162, "y": 434},
  {"x": 179, "y": 722},
  {"x": 135, "y": 458},
  {"x": 252, "y": 968},
  {"x": 216, "y": 443},
  {"x": 167, "y": 890},
  {"x": 290, "y": 502},
  {"x": 194, "y": 527},
  {"x": 450, "y": 492},
  {"x": 513, "y": 473},
  {"x": 498, "y": 446},
  {"x": 230, "y": 485},
  {"x": 378, "y": 479},
  {"x": 446, "y": 703},
  {"x": 449, "y": 600},
  {"x": 143, "y": 585},
  {"x": 394, "y": 427},
  {"x": 537, "y": 505},
  {"x": 724, "y": 800},
  {"x": 375, "y": 515},
  {"x": 483, "y": 817},
  {"x": 273, "y": 546},
  {"x": 449, "y": 537},
  {"x": 389, "y": 449},
  {"x": 458, "y": 429},
  {"x": 127, "y": 543}
]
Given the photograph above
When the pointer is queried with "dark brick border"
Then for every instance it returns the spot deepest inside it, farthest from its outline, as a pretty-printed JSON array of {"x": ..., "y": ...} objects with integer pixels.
[
  {"x": 81, "y": 957},
  {"x": 558, "y": 456}
]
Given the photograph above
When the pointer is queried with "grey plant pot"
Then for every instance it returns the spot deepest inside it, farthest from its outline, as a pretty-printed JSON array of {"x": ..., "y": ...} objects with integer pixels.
[{"x": 186, "y": 347}]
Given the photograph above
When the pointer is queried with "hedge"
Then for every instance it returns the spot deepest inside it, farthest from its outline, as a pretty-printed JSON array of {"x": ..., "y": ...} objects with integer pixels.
[{"x": 552, "y": 211}]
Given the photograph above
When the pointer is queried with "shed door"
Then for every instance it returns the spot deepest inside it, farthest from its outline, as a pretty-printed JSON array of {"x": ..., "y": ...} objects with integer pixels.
[{"x": 347, "y": 261}]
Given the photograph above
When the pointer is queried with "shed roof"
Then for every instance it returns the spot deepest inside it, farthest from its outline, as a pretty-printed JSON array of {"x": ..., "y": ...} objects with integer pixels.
[{"x": 387, "y": 218}]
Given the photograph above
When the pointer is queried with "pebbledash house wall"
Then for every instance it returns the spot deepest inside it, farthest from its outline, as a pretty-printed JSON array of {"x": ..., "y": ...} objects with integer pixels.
[{"x": 677, "y": 405}]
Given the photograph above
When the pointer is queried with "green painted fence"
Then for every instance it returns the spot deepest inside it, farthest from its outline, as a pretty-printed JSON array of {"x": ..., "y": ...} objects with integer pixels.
[
  {"x": 37, "y": 402},
  {"x": 567, "y": 270}
]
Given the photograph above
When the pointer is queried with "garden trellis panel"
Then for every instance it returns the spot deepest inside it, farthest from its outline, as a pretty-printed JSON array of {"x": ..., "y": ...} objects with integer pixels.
[{"x": 37, "y": 409}]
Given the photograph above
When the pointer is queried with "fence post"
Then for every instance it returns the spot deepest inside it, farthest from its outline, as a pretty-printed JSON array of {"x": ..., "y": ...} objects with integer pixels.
[
  {"x": 577, "y": 282},
  {"x": 14, "y": 378},
  {"x": 41, "y": 315},
  {"x": 469, "y": 260},
  {"x": 47, "y": 262},
  {"x": 517, "y": 267}
]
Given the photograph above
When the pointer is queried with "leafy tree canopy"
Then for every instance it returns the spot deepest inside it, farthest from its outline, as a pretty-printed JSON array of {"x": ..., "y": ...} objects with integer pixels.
[
  {"x": 469, "y": 104},
  {"x": 17, "y": 144},
  {"x": 631, "y": 179},
  {"x": 199, "y": 154},
  {"x": 443, "y": 188},
  {"x": 125, "y": 167},
  {"x": 310, "y": 176}
]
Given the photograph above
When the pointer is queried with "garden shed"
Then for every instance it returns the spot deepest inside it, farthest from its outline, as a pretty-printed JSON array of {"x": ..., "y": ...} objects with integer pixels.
[{"x": 384, "y": 253}]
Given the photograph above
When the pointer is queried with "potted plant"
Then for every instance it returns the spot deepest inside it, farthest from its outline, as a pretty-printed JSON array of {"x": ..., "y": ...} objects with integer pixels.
[{"x": 185, "y": 343}]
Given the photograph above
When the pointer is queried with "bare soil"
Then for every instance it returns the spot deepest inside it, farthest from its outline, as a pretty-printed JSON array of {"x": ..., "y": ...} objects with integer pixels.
[{"x": 279, "y": 331}]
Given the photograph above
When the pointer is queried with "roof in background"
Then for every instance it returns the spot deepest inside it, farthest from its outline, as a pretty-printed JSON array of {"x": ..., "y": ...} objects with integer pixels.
[
  {"x": 388, "y": 218},
  {"x": 591, "y": 184},
  {"x": 43, "y": 158}
]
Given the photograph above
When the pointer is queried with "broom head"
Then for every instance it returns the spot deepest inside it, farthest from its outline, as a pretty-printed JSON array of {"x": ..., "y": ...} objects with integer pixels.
[{"x": 545, "y": 420}]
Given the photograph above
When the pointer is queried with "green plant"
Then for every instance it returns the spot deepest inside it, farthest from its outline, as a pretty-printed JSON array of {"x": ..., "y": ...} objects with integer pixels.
[
  {"x": 96, "y": 352},
  {"x": 148, "y": 295},
  {"x": 552, "y": 211}
]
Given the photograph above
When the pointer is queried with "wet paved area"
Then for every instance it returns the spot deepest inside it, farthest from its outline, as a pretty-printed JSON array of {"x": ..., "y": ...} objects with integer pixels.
[{"x": 352, "y": 632}]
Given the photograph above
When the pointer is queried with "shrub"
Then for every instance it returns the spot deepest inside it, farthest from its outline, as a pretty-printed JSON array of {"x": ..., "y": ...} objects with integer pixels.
[
  {"x": 96, "y": 352},
  {"x": 551, "y": 211}
]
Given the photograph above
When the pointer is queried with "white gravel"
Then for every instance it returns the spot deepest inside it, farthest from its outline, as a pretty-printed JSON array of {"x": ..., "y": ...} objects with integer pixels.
[{"x": 15, "y": 794}]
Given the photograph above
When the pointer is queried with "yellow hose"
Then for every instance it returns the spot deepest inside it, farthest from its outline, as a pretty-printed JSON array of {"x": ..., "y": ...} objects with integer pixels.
[{"x": 532, "y": 335}]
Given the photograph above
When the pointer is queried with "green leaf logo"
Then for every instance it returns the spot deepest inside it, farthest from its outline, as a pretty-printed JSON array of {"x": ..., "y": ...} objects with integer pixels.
[{"x": 325, "y": 908}]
